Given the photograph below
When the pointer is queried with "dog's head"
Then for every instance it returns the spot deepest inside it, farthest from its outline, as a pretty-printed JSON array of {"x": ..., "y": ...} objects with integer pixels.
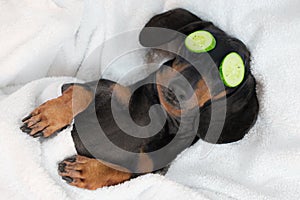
[{"x": 242, "y": 105}]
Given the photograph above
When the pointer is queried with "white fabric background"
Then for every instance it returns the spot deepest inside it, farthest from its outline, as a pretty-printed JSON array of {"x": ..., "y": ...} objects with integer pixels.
[{"x": 41, "y": 38}]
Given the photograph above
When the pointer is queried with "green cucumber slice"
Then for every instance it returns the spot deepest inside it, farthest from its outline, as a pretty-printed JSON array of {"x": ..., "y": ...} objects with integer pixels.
[
  {"x": 200, "y": 41},
  {"x": 232, "y": 70}
]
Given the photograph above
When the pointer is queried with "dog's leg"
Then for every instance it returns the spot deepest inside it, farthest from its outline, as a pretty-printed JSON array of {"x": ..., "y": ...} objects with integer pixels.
[
  {"x": 89, "y": 173},
  {"x": 55, "y": 114}
]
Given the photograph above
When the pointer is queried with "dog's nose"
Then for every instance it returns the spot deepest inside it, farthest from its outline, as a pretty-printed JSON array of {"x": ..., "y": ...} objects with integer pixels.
[
  {"x": 179, "y": 92},
  {"x": 181, "y": 88}
]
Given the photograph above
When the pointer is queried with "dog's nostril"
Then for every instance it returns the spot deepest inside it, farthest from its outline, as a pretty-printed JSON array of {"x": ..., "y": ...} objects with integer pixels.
[
  {"x": 172, "y": 89},
  {"x": 182, "y": 97}
]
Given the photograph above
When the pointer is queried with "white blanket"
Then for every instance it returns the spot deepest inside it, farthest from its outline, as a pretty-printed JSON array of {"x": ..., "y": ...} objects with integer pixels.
[{"x": 53, "y": 38}]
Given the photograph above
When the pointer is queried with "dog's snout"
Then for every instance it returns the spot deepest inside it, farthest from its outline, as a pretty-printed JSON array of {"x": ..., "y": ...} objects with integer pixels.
[{"x": 181, "y": 88}]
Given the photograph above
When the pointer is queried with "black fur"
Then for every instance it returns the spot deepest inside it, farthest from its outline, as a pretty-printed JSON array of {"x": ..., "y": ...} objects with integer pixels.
[{"x": 242, "y": 103}]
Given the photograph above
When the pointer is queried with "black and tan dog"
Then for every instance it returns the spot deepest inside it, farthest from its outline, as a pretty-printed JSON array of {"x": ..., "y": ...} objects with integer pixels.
[{"x": 85, "y": 171}]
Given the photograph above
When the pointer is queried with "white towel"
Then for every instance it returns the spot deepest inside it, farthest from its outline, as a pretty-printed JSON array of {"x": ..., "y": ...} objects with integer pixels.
[{"x": 47, "y": 38}]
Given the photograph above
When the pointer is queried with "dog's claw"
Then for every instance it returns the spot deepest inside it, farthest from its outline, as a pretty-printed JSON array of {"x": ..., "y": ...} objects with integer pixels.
[
  {"x": 62, "y": 164},
  {"x": 38, "y": 134},
  {"x": 24, "y": 127},
  {"x": 68, "y": 179},
  {"x": 26, "y": 118},
  {"x": 26, "y": 130},
  {"x": 71, "y": 159},
  {"x": 61, "y": 167}
]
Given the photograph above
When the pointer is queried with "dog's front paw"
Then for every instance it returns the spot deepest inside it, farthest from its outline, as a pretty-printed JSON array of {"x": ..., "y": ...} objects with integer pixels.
[
  {"x": 48, "y": 118},
  {"x": 89, "y": 173}
]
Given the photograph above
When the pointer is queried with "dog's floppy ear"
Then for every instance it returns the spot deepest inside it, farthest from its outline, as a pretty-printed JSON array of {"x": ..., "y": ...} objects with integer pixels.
[
  {"x": 158, "y": 30},
  {"x": 173, "y": 19},
  {"x": 241, "y": 114}
]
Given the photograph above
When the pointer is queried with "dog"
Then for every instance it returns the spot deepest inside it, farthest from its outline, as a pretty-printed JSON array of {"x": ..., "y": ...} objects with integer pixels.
[{"x": 78, "y": 101}]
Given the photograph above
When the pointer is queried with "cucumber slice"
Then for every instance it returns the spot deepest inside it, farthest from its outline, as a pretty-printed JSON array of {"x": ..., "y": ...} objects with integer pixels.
[
  {"x": 232, "y": 70},
  {"x": 200, "y": 41}
]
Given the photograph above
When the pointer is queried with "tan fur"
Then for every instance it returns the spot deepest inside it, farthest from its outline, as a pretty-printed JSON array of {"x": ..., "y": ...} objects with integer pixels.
[
  {"x": 122, "y": 93},
  {"x": 57, "y": 113},
  {"x": 145, "y": 163},
  {"x": 91, "y": 174},
  {"x": 201, "y": 91}
]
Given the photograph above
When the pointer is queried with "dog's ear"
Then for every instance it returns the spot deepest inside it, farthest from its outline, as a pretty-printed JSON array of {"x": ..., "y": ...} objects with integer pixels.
[
  {"x": 161, "y": 28},
  {"x": 173, "y": 19},
  {"x": 241, "y": 114}
]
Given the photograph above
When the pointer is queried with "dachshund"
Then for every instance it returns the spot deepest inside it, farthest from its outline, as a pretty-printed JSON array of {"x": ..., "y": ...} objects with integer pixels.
[{"x": 105, "y": 167}]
